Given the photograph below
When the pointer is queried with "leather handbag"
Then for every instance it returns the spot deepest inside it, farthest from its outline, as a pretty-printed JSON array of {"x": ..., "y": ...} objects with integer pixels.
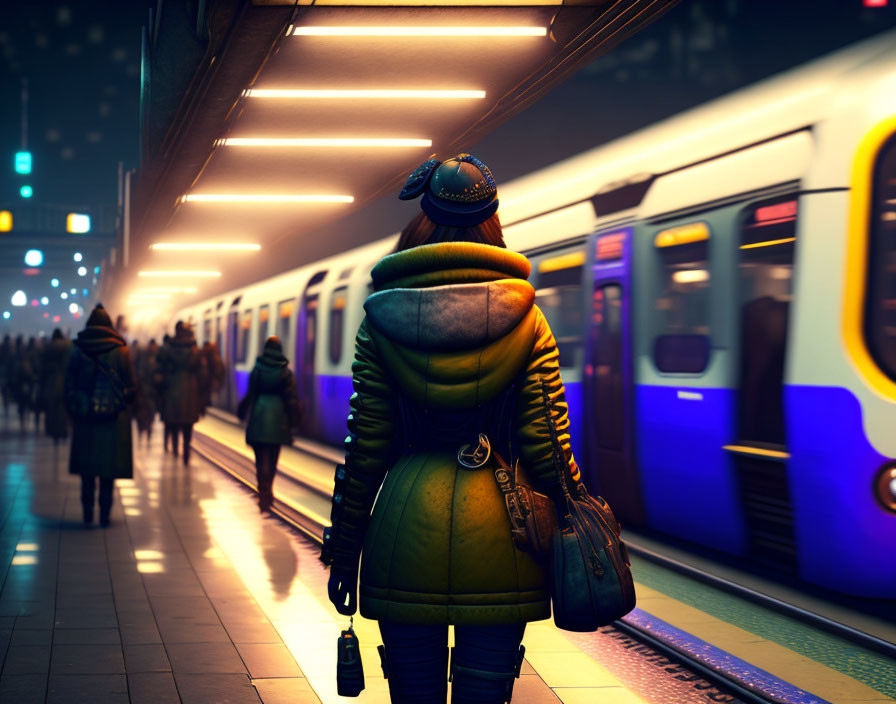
[{"x": 591, "y": 579}]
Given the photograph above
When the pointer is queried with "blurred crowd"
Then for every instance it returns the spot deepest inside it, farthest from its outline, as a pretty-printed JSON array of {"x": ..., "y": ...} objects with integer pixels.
[{"x": 96, "y": 385}]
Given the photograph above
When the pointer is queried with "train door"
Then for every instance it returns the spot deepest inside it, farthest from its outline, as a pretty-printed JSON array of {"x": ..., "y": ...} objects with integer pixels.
[
  {"x": 608, "y": 379},
  {"x": 767, "y": 238},
  {"x": 685, "y": 388},
  {"x": 558, "y": 278},
  {"x": 306, "y": 343}
]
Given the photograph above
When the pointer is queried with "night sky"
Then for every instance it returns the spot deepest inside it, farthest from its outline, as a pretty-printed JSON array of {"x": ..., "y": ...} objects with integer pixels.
[{"x": 82, "y": 62}]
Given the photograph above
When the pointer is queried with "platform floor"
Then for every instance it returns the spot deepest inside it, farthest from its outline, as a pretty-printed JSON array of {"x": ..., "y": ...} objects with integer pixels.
[{"x": 192, "y": 596}]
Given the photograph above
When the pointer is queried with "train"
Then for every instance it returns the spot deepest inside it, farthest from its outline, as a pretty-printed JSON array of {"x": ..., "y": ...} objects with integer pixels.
[{"x": 722, "y": 287}]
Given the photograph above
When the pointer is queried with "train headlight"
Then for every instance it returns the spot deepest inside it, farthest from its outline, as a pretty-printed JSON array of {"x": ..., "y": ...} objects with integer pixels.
[{"x": 885, "y": 486}]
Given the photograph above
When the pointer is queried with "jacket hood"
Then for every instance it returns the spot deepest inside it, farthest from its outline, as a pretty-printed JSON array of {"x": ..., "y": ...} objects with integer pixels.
[
  {"x": 453, "y": 322},
  {"x": 97, "y": 339},
  {"x": 450, "y": 296},
  {"x": 271, "y": 358}
]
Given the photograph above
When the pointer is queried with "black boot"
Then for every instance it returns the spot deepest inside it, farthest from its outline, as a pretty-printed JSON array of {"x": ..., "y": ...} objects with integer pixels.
[{"x": 88, "y": 514}]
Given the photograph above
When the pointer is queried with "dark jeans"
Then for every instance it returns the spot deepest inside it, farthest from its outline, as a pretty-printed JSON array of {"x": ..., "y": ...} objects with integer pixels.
[
  {"x": 484, "y": 662},
  {"x": 88, "y": 489},
  {"x": 266, "y": 456},
  {"x": 173, "y": 430}
]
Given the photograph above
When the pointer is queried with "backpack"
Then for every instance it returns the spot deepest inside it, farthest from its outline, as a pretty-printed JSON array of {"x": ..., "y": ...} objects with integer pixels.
[{"x": 103, "y": 400}]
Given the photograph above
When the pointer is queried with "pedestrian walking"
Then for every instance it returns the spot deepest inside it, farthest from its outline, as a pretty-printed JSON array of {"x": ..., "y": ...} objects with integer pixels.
[
  {"x": 145, "y": 411},
  {"x": 53, "y": 367},
  {"x": 100, "y": 388},
  {"x": 212, "y": 375},
  {"x": 178, "y": 362},
  {"x": 272, "y": 407}
]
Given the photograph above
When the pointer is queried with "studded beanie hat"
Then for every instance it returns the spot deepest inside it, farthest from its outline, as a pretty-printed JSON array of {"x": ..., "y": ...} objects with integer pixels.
[{"x": 460, "y": 192}]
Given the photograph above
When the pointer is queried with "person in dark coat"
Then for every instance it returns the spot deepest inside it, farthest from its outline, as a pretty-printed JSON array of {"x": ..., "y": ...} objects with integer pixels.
[
  {"x": 145, "y": 364},
  {"x": 274, "y": 404},
  {"x": 179, "y": 364},
  {"x": 19, "y": 380},
  {"x": 52, "y": 385},
  {"x": 34, "y": 354},
  {"x": 212, "y": 375},
  {"x": 452, "y": 346},
  {"x": 101, "y": 449},
  {"x": 5, "y": 361}
]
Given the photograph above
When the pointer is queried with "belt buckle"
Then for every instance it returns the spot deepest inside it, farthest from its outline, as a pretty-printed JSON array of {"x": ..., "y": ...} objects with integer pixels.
[{"x": 474, "y": 458}]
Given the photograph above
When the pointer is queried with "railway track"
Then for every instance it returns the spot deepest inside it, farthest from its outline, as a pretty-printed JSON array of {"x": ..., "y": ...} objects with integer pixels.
[{"x": 303, "y": 501}]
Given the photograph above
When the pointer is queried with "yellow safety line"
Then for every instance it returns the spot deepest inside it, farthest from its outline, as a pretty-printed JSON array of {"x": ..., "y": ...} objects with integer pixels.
[{"x": 774, "y": 658}]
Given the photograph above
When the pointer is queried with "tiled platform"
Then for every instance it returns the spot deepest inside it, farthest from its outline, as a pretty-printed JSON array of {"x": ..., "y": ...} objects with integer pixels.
[{"x": 192, "y": 596}]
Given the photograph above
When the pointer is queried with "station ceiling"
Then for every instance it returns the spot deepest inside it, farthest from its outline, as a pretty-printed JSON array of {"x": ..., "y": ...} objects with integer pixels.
[{"x": 284, "y": 161}]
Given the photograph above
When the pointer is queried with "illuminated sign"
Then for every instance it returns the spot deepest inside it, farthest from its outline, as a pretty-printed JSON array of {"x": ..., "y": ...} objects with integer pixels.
[
  {"x": 779, "y": 212},
  {"x": 34, "y": 257},
  {"x": 5, "y": 221},
  {"x": 685, "y": 234},
  {"x": 77, "y": 223},
  {"x": 23, "y": 162},
  {"x": 609, "y": 247},
  {"x": 26, "y": 191}
]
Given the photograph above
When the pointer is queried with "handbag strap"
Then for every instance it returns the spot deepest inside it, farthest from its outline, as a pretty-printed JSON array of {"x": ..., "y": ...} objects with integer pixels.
[
  {"x": 560, "y": 465},
  {"x": 506, "y": 481}
]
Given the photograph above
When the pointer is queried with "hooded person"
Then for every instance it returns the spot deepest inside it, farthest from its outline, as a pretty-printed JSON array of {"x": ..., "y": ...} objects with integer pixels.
[
  {"x": 452, "y": 346},
  {"x": 145, "y": 365},
  {"x": 52, "y": 385},
  {"x": 178, "y": 362},
  {"x": 272, "y": 407},
  {"x": 100, "y": 387}
]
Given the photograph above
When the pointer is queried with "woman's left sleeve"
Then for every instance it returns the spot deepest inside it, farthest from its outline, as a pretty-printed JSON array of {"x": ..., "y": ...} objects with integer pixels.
[{"x": 369, "y": 450}]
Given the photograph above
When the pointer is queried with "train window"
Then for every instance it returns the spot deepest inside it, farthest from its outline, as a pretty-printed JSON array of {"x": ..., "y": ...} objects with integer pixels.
[
  {"x": 682, "y": 307},
  {"x": 337, "y": 316},
  {"x": 284, "y": 320},
  {"x": 880, "y": 311},
  {"x": 559, "y": 296},
  {"x": 768, "y": 235},
  {"x": 263, "y": 315},
  {"x": 207, "y": 330},
  {"x": 608, "y": 382},
  {"x": 242, "y": 341}
]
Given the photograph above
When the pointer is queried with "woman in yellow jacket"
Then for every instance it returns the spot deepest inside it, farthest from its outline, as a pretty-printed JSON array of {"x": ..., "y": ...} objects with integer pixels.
[{"x": 452, "y": 346}]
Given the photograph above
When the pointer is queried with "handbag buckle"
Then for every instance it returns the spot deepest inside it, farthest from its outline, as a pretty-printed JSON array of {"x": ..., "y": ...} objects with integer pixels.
[{"x": 474, "y": 458}]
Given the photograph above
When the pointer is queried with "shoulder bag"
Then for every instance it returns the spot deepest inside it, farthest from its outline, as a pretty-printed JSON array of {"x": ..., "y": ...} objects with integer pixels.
[{"x": 591, "y": 579}]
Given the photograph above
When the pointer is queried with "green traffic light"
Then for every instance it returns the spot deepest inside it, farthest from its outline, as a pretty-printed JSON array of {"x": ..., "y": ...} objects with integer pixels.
[{"x": 26, "y": 191}]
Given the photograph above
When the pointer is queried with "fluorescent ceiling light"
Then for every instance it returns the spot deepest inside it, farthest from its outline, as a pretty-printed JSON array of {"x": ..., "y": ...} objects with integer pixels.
[
  {"x": 170, "y": 289},
  {"x": 199, "y": 247},
  {"x": 320, "y": 142},
  {"x": 150, "y": 296},
  {"x": 179, "y": 273},
  {"x": 339, "y": 31},
  {"x": 364, "y": 94},
  {"x": 262, "y": 198}
]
